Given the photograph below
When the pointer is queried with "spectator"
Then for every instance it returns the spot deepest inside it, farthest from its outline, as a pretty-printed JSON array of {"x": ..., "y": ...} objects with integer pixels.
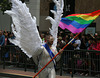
[
  {"x": 6, "y": 43},
  {"x": 2, "y": 42},
  {"x": 2, "y": 39},
  {"x": 83, "y": 42},
  {"x": 88, "y": 40},
  {"x": 97, "y": 47},
  {"x": 77, "y": 43},
  {"x": 66, "y": 55},
  {"x": 93, "y": 45},
  {"x": 71, "y": 44},
  {"x": 78, "y": 62},
  {"x": 60, "y": 43},
  {"x": 42, "y": 37}
]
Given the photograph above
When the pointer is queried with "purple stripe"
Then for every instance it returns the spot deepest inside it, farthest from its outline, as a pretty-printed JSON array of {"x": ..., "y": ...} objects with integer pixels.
[{"x": 70, "y": 28}]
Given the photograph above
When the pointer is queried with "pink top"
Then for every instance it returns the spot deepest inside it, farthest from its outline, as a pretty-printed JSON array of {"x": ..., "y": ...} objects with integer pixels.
[{"x": 95, "y": 47}]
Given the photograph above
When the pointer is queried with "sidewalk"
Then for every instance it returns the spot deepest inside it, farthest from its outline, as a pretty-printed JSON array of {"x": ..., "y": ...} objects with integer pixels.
[
  {"x": 9, "y": 73},
  {"x": 20, "y": 73},
  {"x": 13, "y": 72}
]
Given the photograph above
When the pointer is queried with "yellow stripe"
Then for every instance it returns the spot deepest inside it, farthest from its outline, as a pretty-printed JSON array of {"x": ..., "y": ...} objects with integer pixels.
[{"x": 87, "y": 17}]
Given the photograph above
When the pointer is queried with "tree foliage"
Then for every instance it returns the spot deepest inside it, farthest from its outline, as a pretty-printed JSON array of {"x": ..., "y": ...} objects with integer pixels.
[{"x": 6, "y": 5}]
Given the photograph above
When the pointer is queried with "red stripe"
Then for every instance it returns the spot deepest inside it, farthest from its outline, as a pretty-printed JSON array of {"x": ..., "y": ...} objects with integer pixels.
[{"x": 90, "y": 14}]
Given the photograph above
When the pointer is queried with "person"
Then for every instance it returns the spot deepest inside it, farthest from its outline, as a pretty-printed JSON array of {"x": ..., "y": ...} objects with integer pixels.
[
  {"x": 71, "y": 45},
  {"x": 66, "y": 55},
  {"x": 83, "y": 42},
  {"x": 98, "y": 45},
  {"x": 77, "y": 54},
  {"x": 93, "y": 45},
  {"x": 60, "y": 43},
  {"x": 43, "y": 57},
  {"x": 77, "y": 43},
  {"x": 42, "y": 37},
  {"x": 6, "y": 43},
  {"x": 2, "y": 42},
  {"x": 2, "y": 39},
  {"x": 95, "y": 56}
]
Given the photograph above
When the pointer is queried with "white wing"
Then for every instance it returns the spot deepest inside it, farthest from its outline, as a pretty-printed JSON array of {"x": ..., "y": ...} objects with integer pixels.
[
  {"x": 57, "y": 17},
  {"x": 24, "y": 28}
]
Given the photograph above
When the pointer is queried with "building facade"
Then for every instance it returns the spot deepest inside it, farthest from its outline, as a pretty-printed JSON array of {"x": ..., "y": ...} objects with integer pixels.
[
  {"x": 33, "y": 5},
  {"x": 88, "y": 6},
  {"x": 41, "y": 9}
]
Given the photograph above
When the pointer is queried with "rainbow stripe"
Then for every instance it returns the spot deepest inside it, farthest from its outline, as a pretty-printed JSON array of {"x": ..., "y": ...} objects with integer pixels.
[{"x": 78, "y": 22}]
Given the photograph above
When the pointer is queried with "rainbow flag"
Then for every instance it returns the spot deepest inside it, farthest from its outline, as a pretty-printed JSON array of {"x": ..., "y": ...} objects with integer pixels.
[{"x": 78, "y": 22}]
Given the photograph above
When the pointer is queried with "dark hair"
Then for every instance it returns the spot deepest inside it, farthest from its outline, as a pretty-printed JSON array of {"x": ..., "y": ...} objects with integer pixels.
[
  {"x": 93, "y": 39},
  {"x": 48, "y": 36},
  {"x": 98, "y": 39}
]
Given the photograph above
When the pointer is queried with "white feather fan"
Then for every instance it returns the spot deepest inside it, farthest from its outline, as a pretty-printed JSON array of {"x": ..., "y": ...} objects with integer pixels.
[{"x": 24, "y": 29}]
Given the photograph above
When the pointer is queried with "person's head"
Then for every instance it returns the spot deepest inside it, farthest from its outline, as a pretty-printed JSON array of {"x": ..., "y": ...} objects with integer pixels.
[
  {"x": 77, "y": 37},
  {"x": 71, "y": 35},
  {"x": 98, "y": 40},
  {"x": 66, "y": 36},
  {"x": 6, "y": 34},
  {"x": 49, "y": 39},
  {"x": 67, "y": 40},
  {"x": 59, "y": 39},
  {"x": 83, "y": 36},
  {"x": 42, "y": 35},
  {"x": 96, "y": 34},
  {"x": 94, "y": 41}
]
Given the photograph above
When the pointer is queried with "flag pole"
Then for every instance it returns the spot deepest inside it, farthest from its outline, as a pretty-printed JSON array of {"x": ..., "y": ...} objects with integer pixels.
[{"x": 57, "y": 54}]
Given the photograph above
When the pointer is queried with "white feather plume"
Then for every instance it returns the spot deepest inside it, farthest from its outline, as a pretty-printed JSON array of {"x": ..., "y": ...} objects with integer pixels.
[
  {"x": 24, "y": 28},
  {"x": 55, "y": 21}
]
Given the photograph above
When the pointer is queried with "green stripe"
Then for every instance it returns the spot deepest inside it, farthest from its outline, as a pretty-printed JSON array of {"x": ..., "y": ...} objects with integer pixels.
[{"x": 79, "y": 20}]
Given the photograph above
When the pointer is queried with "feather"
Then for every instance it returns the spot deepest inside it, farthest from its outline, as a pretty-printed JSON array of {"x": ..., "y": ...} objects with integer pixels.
[
  {"x": 25, "y": 28},
  {"x": 55, "y": 22}
]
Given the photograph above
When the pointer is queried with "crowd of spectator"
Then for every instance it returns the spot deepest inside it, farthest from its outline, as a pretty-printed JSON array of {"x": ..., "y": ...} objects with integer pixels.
[
  {"x": 82, "y": 41},
  {"x": 4, "y": 36}
]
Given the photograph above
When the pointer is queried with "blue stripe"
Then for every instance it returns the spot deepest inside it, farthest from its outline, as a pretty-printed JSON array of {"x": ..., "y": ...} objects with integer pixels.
[{"x": 74, "y": 23}]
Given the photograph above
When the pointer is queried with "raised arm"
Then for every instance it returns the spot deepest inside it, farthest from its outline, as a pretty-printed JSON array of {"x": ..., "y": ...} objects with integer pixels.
[{"x": 55, "y": 21}]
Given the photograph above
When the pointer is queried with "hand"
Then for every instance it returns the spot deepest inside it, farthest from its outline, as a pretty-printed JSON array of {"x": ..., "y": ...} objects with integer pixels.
[{"x": 61, "y": 51}]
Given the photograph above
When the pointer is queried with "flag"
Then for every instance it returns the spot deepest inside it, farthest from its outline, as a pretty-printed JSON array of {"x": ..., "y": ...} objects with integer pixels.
[{"x": 78, "y": 22}]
